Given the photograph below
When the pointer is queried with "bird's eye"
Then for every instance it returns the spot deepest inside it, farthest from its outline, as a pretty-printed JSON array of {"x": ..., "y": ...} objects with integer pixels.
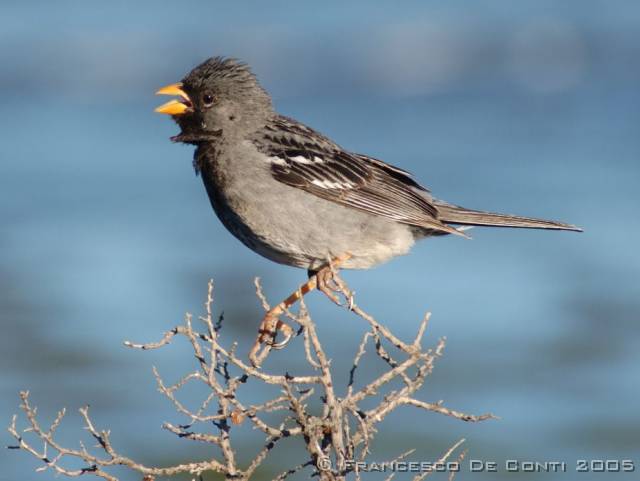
[{"x": 207, "y": 100}]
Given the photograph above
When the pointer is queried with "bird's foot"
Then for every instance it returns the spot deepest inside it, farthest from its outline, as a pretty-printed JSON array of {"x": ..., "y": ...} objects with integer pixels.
[
  {"x": 270, "y": 326},
  {"x": 286, "y": 330},
  {"x": 329, "y": 283}
]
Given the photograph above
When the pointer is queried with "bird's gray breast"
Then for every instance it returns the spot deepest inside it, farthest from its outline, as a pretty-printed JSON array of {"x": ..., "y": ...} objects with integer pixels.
[
  {"x": 245, "y": 199},
  {"x": 288, "y": 225}
]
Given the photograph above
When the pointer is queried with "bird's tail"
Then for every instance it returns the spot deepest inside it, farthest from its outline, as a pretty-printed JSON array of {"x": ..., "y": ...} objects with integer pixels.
[{"x": 459, "y": 215}]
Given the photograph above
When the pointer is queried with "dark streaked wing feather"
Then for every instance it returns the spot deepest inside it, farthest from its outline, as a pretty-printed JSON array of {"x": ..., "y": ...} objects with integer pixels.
[{"x": 303, "y": 158}]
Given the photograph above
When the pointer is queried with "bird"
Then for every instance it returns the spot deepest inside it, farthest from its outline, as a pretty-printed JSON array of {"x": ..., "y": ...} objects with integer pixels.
[{"x": 298, "y": 198}]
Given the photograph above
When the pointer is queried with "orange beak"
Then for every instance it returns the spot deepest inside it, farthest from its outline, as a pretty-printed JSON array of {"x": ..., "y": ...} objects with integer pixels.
[{"x": 174, "y": 107}]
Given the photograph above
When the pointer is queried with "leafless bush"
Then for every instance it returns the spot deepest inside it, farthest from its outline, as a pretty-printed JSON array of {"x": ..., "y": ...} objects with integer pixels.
[{"x": 337, "y": 436}]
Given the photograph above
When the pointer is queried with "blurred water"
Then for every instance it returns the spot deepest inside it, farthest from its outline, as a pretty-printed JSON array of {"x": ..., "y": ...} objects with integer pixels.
[{"x": 530, "y": 108}]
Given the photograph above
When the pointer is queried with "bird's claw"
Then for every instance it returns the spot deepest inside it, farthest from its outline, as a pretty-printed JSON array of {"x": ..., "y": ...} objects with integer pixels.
[
  {"x": 269, "y": 329},
  {"x": 288, "y": 335},
  {"x": 327, "y": 285}
]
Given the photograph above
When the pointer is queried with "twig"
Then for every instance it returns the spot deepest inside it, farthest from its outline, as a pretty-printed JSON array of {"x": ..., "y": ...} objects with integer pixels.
[{"x": 340, "y": 431}]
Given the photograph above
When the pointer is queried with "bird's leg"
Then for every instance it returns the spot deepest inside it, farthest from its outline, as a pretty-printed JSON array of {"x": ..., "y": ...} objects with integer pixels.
[{"x": 271, "y": 322}]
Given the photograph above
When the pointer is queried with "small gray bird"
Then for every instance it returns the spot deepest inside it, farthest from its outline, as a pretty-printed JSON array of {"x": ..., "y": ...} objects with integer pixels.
[{"x": 296, "y": 197}]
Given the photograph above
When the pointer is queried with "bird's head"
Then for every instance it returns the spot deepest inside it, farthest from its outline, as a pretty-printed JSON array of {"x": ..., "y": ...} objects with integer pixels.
[{"x": 219, "y": 95}]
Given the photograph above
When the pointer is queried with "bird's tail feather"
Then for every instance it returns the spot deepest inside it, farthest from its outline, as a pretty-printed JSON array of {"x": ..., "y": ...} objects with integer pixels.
[{"x": 459, "y": 215}]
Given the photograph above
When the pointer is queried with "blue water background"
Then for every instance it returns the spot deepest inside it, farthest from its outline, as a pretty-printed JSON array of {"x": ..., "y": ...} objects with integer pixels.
[{"x": 530, "y": 107}]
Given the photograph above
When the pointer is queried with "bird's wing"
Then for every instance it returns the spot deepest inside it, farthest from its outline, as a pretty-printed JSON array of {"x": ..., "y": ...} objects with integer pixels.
[{"x": 303, "y": 158}]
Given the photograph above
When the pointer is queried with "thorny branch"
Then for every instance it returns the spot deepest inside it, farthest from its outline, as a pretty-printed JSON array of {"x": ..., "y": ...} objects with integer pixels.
[{"x": 336, "y": 438}]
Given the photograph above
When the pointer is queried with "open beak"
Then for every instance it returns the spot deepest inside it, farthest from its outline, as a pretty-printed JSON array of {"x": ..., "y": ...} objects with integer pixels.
[{"x": 177, "y": 106}]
